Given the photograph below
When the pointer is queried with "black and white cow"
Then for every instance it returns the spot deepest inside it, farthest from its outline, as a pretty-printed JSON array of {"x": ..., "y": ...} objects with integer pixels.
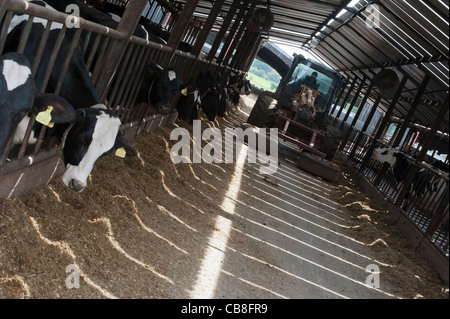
[
  {"x": 158, "y": 87},
  {"x": 210, "y": 94},
  {"x": 189, "y": 102},
  {"x": 238, "y": 85},
  {"x": 19, "y": 99},
  {"x": 95, "y": 131},
  {"x": 426, "y": 185}
]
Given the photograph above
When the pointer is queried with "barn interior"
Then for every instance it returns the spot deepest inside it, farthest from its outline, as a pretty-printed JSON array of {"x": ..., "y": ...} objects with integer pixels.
[{"x": 393, "y": 57}]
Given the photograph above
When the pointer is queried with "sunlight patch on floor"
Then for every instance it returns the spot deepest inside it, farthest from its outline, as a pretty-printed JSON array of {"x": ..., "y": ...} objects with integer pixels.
[{"x": 212, "y": 262}]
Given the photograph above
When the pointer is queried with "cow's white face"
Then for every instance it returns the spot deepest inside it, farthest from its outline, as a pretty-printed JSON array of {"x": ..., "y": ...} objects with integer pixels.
[
  {"x": 94, "y": 137},
  {"x": 386, "y": 155}
]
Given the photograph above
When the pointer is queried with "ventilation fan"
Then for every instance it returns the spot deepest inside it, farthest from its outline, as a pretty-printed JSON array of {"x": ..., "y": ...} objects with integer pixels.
[
  {"x": 261, "y": 20},
  {"x": 387, "y": 82}
]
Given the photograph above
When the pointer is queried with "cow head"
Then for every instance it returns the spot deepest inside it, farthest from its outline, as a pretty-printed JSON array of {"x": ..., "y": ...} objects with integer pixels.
[
  {"x": 189, "y": 102},
  {"x": 165, "y": 84},
  {"x": 387, "y": 155},
  {"x": 95, "y": 133},
  {"x": 210, "y": 91}
]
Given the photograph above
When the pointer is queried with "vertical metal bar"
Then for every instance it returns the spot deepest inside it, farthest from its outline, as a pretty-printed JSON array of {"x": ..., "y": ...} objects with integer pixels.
[
  {"x": 396, "y": 131},
  {"x": 201, "y": 39},
  {"x": 40, "y": 139},
  {"x": 116, "y": 92},
  {"x": 203, "y": 34},
  {"x": 180, "y": 28},
  {"x": 358, "y": 113},
  {"x": 412, "y": 110},
  {"x": 130, "y": 78},
  {"x": 407, "y": 140},
  {"x": 53, "y": 57},
  {"x": 162, "y": 16},
  {"x": 152, "y": 11},
  {"x": 232, "y": 36},
  {"x": 24, "y": 145},
  {"x": 365, "y": 126},
  {"x": 226, "y": 23},
  {"x": 237, "y": 61},
  {"x": 3, "y": 8},
  {"x": 4, "y": 32},
  {"x": 40, "y": 50},
  {"x": 439, "y": 213},
  {"x": 99, "y": 63},
  {"x": 242, "y": 49},
  {"x": 350, "y": 89},
  {"x": 341, "y": 92},
  {"x": 116, "y": 49},
  {"x": 136, "y": 85},
  {"x": 150, "y": 55},
  {"x": 383, "y": 124},
  {"x": 93, "y": 51},
  {"x": 66, "y": 64},
  {"x": 25, "y": 34},
  {"x": 353, "y": 102},
  {"x": 7, "y": 149},
  {"x": 86, "y": 42},
  {"x": 246, "y": 63}
]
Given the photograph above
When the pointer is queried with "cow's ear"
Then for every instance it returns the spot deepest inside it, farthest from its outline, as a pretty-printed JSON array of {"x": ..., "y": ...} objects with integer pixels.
[
  {"x": 60, "y": 110},
  {"x": 121, "y": 142}
]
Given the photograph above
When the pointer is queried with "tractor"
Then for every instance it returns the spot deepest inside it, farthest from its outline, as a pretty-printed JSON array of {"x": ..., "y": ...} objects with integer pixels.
[{"x": 299, "y": 109}]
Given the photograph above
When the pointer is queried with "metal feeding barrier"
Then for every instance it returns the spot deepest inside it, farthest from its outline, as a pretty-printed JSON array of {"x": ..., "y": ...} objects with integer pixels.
[
  {"x": 18, "y": 170},
  {"x": 428, "y": 211}
]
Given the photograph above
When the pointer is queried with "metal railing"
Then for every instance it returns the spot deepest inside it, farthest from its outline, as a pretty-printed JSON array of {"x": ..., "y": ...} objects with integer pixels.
[
  {"x": 94, "y": 40},
  {"x": 425, "y": 202}
]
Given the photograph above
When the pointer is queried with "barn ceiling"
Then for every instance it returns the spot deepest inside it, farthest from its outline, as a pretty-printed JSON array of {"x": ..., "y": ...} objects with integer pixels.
[{"x": 359, "y": 38}]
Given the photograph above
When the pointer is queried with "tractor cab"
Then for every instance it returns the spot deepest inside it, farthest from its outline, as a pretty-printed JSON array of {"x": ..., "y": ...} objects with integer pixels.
[
  {"x": 299, "y": 107},
  {"x": 308, "y": 91}
]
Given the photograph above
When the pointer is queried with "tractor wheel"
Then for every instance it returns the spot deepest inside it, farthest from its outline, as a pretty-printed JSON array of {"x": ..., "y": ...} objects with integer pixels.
[
  {"x": 318, "y": 166},
  {"x": 330, "y": 142},
  {"x": 263, "y": 113}
]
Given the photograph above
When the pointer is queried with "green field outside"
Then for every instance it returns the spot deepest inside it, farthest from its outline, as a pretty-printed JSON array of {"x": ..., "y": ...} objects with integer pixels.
[{"x": 261, "y": 83}]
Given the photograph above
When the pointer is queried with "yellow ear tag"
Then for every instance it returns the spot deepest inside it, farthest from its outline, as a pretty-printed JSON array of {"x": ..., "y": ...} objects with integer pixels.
[
  {"x": 184, "y": 92},
  {"x": 45, "y": 117},
  {"x": 121, "y": 152}
]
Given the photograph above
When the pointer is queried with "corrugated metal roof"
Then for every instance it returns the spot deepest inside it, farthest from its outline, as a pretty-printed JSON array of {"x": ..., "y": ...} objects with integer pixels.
[{"x": 410, "y": 37}]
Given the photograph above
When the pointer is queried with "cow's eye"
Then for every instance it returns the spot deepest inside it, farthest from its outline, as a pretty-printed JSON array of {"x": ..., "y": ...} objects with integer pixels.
[{"x": 384, "y": 153}]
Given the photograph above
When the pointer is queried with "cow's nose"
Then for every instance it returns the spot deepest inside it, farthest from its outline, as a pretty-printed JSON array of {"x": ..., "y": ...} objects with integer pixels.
[{"x": 76, "y": 185}]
